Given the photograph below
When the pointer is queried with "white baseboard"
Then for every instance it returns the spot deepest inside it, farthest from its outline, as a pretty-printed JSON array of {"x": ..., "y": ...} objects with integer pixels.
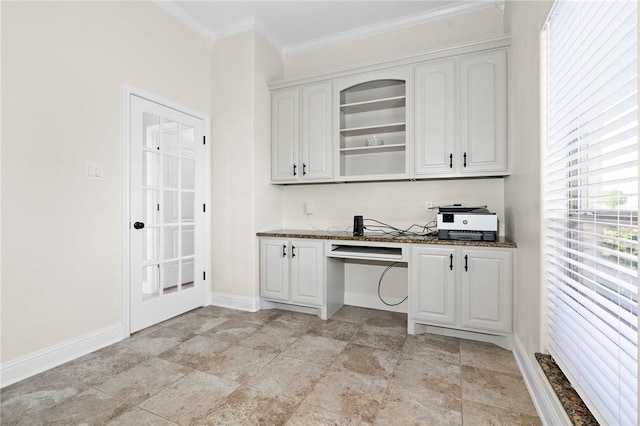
[
  {"x": 373, "y": 302},
  {"x": 504, "y": 341},
  {"x": 44, "y": 359},
  {"x": 235, "y": 302},
  {"x": 544, "y": 398}
]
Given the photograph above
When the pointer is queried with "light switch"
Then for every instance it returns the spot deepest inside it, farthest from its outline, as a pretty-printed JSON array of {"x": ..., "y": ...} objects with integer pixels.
[{"x": 93, "y": 172}]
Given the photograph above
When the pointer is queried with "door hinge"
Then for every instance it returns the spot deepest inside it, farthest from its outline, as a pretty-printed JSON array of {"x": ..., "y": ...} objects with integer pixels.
[
  {"x": 204, "y": 275},
  {"x": 204, "y": 140}
]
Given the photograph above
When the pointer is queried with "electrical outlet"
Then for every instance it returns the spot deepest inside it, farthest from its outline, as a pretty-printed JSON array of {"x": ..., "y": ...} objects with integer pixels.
[{"x": 309, "y": 207}]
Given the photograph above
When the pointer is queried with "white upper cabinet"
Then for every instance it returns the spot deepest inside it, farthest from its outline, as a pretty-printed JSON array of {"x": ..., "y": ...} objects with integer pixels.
[
  {"x": 440, "y": 114},
  {"x": 284, "y": 135},
  {"x": 461, "y": 116},
  {"x": 371, "y": 124},
  {"x": 316, "y": 132},
  {"x": 483, "y": 112},
  {"x": 301, "y": 134},
  {"x": 436, "y": 126}
]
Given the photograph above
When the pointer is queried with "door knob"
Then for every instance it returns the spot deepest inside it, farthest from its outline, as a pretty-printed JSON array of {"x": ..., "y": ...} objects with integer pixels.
[{"x": 138, "y": 225}]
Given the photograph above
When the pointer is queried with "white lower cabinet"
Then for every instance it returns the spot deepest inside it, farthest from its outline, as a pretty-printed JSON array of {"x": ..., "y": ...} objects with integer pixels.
[
  {"x": 433, "y": 286},
  {"x": 293, "y": 271},
  {"x": 485, "y": 290},
  {"x": 461, "y": 288}
]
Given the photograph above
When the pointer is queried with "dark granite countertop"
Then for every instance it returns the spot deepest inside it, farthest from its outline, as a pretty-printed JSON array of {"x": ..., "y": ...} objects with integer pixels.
[
  {"x": 501, "y": 242},
  {"x": 573, "y": 405}
]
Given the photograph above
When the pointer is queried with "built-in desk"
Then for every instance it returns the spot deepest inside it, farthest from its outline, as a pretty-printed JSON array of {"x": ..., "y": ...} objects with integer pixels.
[{"x": 459, "y": 288}]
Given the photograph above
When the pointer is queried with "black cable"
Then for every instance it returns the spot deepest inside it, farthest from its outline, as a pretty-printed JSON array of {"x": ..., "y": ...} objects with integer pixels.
[
  {"x": 383, "y": 229},
  {"x": 380, "y": 283}
]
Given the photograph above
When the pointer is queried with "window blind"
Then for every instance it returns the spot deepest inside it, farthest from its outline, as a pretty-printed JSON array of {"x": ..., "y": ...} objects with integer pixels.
[{"x": 590, "y": 202}]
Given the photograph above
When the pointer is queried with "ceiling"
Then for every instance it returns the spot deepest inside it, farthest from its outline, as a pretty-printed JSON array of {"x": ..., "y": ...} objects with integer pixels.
[{"x": 296, "y": 26}]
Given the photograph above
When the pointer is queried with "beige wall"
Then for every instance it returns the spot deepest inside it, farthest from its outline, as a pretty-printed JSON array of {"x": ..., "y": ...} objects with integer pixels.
[
  {"x": 398, "y": 203},
  {"x": 243, "y": 200},
  {"x": 63, "y": 69},
  {"x": 232, "y": 133},
  {"x": 524, "y": 20},
  {"x": 267, "y": 198}
]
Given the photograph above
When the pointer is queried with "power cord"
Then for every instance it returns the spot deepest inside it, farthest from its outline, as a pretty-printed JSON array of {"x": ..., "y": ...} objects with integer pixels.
[
  {"x": 384, "y": 229},
  {"x": 380, "y": 284}
]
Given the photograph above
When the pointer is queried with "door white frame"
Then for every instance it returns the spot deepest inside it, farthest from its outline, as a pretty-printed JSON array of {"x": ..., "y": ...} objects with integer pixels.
[{"x": 125, "y": 165}]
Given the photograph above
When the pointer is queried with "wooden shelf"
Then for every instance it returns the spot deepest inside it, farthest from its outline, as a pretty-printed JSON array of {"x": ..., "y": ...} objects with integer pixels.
[
  {"x": 372, "y": 149},
  {"x": 370, "y": 130},
  {"x": 374, "y": 105}
]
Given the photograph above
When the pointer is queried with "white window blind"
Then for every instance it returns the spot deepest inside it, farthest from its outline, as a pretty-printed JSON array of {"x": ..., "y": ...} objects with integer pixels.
[{"x": 590, "y": 185}]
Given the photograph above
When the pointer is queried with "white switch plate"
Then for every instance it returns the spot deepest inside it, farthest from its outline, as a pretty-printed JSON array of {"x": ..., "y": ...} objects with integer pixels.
[
  {"x": 309, "y": 207},
  {"x": 93, "y": 171}
]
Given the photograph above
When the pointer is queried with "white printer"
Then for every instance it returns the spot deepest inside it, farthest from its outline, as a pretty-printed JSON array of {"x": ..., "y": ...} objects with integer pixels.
[{"x": 457, "y": 222}]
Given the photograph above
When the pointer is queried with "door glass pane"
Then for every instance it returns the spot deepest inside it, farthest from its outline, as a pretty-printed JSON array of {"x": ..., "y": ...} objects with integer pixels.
[
  {"x": 188, "y": 245},
  {"x": 170, "y": 207},
  {"x": 151, "y": 129},
  {"x": 188, "y": 174},
  {"x": 187, "y": 137},
  {"x": 150, "y": 283},
  {"x": 149, "y": 207},
  {"x": 170, "y": 277},
  {"x": 187, "y": 273},
  {"x": 188, "y": 201},
  {"x": 150, "y": 169},
  {"x": 170, "y": 141},
  {"x": 170, "y": 174},
  {"x": 150, "y": 244},
  {"x": 170, "y": 243}
]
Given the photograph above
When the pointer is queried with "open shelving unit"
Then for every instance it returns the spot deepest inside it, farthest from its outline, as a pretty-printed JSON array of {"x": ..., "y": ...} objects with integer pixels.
[{"x": 374, "y": 108}]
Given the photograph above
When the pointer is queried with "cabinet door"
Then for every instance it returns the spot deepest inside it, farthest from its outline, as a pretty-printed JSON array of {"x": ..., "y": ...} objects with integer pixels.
[
  {"x": 274, "y": 269},
  {"x": 483, "y": 112},
  {"x": 284, "y": 135},
  {"x": 316, "y": 141},
  {"x": 435, "y": 118},
  {"x": 433, "y": 281},
  {"x": 307, "y": 272},
  {"x": 486, "y": 290}
]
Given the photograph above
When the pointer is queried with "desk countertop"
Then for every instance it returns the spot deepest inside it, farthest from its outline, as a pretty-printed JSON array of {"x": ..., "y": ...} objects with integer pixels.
[{"x": 501, "y": 242}]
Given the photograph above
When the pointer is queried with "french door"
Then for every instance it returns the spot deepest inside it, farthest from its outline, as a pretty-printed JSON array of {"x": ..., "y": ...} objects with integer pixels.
[{"x": 167, "y": 213}]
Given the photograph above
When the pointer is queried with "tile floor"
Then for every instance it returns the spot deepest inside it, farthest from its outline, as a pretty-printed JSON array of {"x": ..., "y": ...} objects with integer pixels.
[{"x": 215, "y": 366}]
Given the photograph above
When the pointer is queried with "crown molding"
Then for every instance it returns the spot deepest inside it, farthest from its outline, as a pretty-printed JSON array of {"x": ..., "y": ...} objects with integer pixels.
[
  {"x": 251, "y": 24},
  {"x": 390, "y": 25},
  {"x": 177, "y": 12},
  {"x": 246, "y": 24},
  {"x": 268, "y": 35},
  {"x": 396, "y": 61}
]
